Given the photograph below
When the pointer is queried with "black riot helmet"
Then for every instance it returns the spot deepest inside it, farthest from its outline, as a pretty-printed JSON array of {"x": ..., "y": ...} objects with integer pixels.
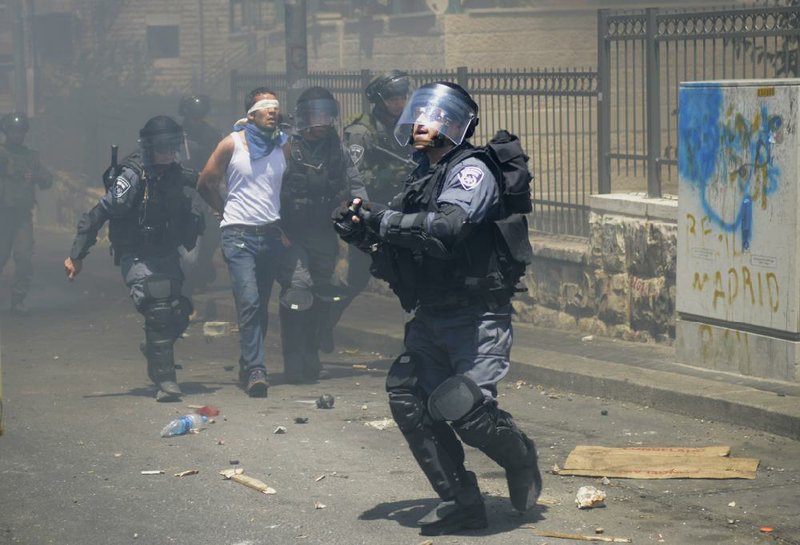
[
  {"x": 316, "y": 107},
  {"x": 14, "y": 122},
  {"x": 442, "y": 105},
  {"x": 194, "y": 106},
  {"x": 160, "y": 134},
  {"x": 391, "y": 84}
]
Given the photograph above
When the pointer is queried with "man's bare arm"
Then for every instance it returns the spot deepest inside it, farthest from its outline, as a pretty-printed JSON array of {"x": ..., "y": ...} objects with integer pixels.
[{"x": 211, "y": 176}]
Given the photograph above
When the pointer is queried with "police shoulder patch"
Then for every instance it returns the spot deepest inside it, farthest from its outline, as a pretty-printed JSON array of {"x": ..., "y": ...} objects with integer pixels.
[
  {"x": 121, "y": 186},
  {"x": 469, "y": 177},
  {"x": 356, "y": 152}
]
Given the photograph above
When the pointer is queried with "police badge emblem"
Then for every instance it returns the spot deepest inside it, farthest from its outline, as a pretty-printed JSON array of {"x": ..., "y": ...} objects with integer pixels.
[
  {"x": 121, "y": 186},
  {"x": 356, "y": 153},
  {"x": 469, "y": 177}
]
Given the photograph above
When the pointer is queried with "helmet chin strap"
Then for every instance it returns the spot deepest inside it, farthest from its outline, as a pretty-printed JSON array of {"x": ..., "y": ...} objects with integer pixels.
[{"x": 437, "y": 141}]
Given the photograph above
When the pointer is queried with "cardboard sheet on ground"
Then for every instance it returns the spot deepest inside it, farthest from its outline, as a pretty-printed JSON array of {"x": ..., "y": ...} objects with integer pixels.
[{"x": 658, "y": 463}]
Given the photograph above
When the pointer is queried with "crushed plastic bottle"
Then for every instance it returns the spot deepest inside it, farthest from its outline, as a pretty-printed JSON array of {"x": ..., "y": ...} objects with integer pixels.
[{"x": 182, "y": 425}]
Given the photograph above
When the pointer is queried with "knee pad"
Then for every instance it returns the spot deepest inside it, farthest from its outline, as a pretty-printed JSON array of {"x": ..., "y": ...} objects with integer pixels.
[
  {"x": 478, "y": 428},
  {"x": 328, "y": 293},
  {"x": 296, "y": 299},
  {"x": 158, "y": 314},
  {"x": 454, "y": 399},
  {"x": 183, "y": 309},
  {"x": 407, "y": 406},
  {"x": 158, "y": 286}
]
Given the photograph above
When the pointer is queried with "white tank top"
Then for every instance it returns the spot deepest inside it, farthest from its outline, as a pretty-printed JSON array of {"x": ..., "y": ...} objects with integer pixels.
[{"x": 254, "y": 187}]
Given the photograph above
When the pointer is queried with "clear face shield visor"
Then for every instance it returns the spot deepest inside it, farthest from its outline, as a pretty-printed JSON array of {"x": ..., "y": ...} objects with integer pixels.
[
  {"x": 321, "y": 112},
  {"x": 164, "y": 148},
  {"x": 440, "y": 108}
]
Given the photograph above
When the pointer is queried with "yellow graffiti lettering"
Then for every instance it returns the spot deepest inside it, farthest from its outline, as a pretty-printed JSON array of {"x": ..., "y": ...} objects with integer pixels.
[
  {"x": 756, "y": 288},
  {"x": 703, "y": 225},
  {"x": 692, "y": 223},
  {"x": 699, "y": 282},
  {"x": 772, "y": 282},
  {"x": 706, "y": 340},
  {"x": 748, "y": 283},
  {"x": 733, "y": 285},
  {"x": 718, "y": 291}
]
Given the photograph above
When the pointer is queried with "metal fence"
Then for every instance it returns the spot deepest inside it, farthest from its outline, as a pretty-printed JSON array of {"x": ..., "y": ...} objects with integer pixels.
[
  {"x": 643, "y": 57},
  {"x": 552, "y": 111},
  {"x": 587, "y": 131}
]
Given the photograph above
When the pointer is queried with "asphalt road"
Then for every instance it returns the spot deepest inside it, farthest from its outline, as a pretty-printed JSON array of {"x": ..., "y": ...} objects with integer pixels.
[{"x": 81, "y": 426}]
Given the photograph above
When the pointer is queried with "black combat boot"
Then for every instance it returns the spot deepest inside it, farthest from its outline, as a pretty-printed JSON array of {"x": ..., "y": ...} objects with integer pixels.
[
  {"x": 465, "y": 511},
  {"x": 494, "y": 432},
  {"x": 161, "y": 370},
  {"x": 293, "y": 339},
  {"x": 524, "y": 479}
]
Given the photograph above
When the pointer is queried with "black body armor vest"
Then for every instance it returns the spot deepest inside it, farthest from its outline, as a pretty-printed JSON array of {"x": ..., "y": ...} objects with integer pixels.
[
  {"x": 484, "y": 268},
  {"x": 314, "y": 183},
  {"x": 155, "y": 224}
]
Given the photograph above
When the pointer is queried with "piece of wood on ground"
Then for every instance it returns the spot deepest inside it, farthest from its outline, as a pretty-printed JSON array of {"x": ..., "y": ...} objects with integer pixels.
[
  {"x": 187, "y": 472},
  {"x": 658, "y": 463},
  {"x": 579, "y": 537},
  {"x": 238, "y": 476}
]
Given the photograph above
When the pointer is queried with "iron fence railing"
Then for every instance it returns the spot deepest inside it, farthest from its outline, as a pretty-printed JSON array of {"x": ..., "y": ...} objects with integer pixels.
[
  {"x": 552, "y": 111},
  {"x": 586, "y": 131},
  {"x": 644, "y": 56}
]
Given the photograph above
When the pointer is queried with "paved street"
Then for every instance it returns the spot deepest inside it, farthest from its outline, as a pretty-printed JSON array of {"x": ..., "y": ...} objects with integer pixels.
[{"x": 81, "y": 426}]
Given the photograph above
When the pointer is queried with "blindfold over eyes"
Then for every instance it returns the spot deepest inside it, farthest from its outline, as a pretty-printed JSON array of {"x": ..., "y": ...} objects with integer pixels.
[{"x": 265, "y": 104}]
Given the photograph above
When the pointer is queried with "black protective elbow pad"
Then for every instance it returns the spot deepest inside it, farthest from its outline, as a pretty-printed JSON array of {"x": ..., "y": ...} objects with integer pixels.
[{"x": 450, "y": 225}]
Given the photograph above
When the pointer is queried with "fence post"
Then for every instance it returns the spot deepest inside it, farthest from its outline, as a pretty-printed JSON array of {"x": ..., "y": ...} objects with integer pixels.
[
  {"x": 234, "y": 91},
  {"x": 366, "y": 77},
  {"x": 653, "y": 104},
  {"x": 603, "y": 103},
  {"x": 462, "y": 76}
]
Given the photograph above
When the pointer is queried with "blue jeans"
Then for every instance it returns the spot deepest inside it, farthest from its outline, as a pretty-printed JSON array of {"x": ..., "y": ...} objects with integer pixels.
[{"x": 252, "y": 257}]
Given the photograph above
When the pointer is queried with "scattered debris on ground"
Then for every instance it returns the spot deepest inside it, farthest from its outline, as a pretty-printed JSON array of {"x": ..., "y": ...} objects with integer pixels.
[
  {"x": 578, "y": 537},
  {"x": 238, "y": 476},
  {"x": 325, "y": 401},
  {"x": 589, "y": 497},
  {"x": 216, "y": 329},
  {"x": 658, "y": 463},
  {"x": 382, "y": 424}
]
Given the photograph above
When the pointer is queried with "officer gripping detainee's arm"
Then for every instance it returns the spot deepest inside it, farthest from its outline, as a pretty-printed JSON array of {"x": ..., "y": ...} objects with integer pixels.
[{"x": 211, "y": 176}]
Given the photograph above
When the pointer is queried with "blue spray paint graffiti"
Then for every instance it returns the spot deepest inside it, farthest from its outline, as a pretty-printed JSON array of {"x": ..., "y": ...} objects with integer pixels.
[{"x": 719, "y": 149}]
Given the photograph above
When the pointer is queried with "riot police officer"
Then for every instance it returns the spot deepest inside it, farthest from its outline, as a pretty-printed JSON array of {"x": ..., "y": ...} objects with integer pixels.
[
  {"x": 319, "y": 175},
  {"x": 21, "y": 173},
  {"x": 384, "y": 163},
  {"x": 149, "y": 206},
  {"x": 201, "y": 137},
  {"x": 447, "y": 249},
  {"x": 201, "y": 140}
]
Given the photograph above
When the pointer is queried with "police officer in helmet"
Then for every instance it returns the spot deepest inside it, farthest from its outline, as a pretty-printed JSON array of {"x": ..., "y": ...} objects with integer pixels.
[
  {"x": 201, "y": 140},
  {"x": 21, "y": 173},
  {"x": 440, "y": 247},
  {"x": 383, "y": 162},
  {"x": 149, "y": 207},
  {"x": 319, "y": 175}
]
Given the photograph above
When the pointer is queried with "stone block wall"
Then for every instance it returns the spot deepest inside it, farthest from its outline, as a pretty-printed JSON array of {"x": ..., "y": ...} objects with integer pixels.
[{"x": 620, "y": 282}]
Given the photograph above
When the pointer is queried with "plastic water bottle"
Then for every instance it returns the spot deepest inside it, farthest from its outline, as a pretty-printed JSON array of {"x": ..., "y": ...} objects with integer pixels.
[{"x": 182, "y": 425}]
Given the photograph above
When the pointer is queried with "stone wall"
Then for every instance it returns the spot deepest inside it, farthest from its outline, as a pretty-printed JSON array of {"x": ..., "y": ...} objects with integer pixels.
[{"x": 620, "y": 283}]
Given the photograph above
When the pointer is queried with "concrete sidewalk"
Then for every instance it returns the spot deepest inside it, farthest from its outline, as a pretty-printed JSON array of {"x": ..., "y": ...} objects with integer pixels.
[{"x": 646, "y": 374}]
